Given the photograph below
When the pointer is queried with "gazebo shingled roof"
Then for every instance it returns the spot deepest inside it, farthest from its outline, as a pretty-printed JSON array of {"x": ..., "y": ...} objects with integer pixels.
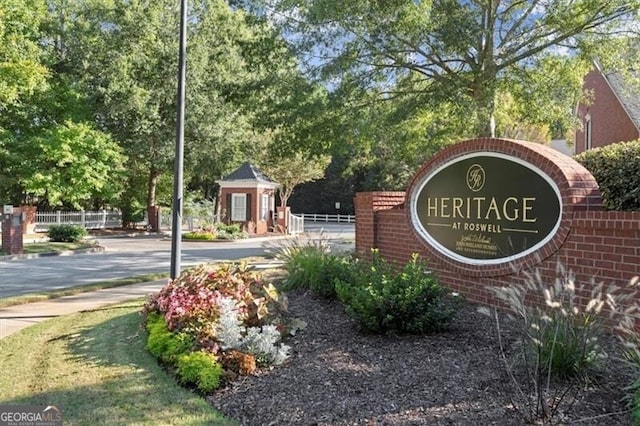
[{"x": 247, "y": 172}]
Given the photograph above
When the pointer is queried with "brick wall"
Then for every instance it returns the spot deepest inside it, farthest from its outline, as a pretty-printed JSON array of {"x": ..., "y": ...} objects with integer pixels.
[
  {"x": 591, "y": 242},
  {"x": 258, "y": 225},
  {"x": 604, "y": 245},
  {"x": 610, "y": 123}
]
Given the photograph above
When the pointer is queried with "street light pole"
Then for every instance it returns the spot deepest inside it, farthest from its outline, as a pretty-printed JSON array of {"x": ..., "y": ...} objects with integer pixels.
[{"x": 178, "y": 162}]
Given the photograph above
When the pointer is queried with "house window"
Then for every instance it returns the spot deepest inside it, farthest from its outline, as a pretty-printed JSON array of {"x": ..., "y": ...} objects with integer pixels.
[
  {"x": 587, "y": 132},
  {"x": 264, "y": 207},
  {"x": 239, "y": 207}
]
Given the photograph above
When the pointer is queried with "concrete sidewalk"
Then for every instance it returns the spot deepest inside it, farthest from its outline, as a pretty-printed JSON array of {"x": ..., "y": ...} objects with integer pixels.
[{"x": 15, "y": 318}]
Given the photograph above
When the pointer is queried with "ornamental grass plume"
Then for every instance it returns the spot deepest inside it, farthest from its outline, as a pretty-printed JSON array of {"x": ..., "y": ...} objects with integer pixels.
[{"x": 558, "y": 334}]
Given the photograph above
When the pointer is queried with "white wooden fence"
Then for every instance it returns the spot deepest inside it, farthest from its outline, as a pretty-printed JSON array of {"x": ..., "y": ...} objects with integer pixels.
[
  {"x": 113, "y": 219},
  {"x": 296, "y": 224},
  {"x": 88, "y": 219},
  {"x": 320, "y": 217}
]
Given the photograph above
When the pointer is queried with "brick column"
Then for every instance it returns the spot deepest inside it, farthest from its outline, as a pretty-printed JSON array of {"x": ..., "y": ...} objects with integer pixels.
[
  {"x": 12, "y": 242},
  {"x": 283, "y": 218},
  {"x": 365, "y": 223},
  {"x": 366, "y": 205}
]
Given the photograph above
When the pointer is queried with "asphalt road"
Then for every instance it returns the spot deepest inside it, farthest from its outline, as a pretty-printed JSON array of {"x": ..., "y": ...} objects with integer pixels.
[{"x": 127, "y": 257}]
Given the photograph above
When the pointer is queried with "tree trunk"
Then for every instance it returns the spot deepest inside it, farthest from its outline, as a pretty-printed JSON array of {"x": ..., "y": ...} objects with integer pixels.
[
  {"x": 152, "y": 186},
  {"x": 284, "y": 193},
  {"x": 484, "y": 88},
  {"x": 484, "y": 106}
]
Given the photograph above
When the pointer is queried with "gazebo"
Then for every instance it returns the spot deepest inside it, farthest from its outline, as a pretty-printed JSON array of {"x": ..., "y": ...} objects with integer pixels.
[{"x": 248, "y": 198}]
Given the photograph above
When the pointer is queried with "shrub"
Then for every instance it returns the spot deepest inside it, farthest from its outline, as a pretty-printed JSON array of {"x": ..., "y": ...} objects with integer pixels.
[
  {"x": 66, "y": 233},
  {"x": 311, "y": 265},
  {"x": 199, "y": 236},
  {"x": 209, "y": 311},
  {"x": 616, "y": 168},
  {"x": 384, "y": 300},
  {"x": 220, "y": 231},
  {"x": 162, "y": 343},
  {"x": 230, "y": 229},
  {"x": 233, "y": 233},
  {"x": 200, "y": 369},
  {"x": 332, "y": 268}
]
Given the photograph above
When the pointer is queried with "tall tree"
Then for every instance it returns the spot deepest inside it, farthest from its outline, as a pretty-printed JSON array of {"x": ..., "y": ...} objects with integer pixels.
[
  {"x": 72, "y": 165},
  {"x": 53, "y": 154},
  {"x": 21, "y": 69},
  {"x": 289, "y": 172},
  {"x": 123, "y": 53},
  {"x": 461, "y": 51},
  {"x": 21, "y": 74}
]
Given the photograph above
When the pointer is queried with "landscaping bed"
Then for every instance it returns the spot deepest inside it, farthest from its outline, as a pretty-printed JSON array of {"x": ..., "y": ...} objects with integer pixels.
[{"x": 337, "y": 375}]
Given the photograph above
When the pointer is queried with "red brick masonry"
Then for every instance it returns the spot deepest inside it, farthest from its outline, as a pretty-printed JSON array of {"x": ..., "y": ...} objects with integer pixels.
[{"x": 591, "y": 242}]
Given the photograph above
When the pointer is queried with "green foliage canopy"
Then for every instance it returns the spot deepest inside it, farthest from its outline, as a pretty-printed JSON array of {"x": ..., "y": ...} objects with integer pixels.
[
  {"x": 458, "y": 51},
  {"x": 21, "y": 70},
  {"x": 72, "y": 164}
]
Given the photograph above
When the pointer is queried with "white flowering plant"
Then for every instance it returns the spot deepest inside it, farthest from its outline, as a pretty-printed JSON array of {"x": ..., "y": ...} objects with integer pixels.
[{"x": 260, "y": 341}]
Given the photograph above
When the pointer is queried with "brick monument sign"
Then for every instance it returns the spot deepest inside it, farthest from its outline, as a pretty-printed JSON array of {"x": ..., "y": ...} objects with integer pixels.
[{"x": 483, "y": 211}]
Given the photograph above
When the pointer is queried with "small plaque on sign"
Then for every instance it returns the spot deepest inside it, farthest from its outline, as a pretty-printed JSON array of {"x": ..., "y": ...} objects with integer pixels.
[{"x": 7, "y": 209}]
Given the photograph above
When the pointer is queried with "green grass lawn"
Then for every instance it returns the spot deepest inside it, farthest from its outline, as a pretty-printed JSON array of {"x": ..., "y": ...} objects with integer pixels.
[
  {"x": 50, "y": 247},
  {"x": 93, "y": 365}
]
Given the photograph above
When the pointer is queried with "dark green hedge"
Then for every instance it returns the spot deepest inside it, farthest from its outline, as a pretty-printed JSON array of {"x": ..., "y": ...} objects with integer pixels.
[
  {"x": 616, "y": 168},
  {"x": 66, "y": 233}
]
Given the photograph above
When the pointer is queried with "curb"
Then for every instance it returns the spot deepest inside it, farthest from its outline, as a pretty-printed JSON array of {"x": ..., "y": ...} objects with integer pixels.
[{"x": 98, "y": 249}]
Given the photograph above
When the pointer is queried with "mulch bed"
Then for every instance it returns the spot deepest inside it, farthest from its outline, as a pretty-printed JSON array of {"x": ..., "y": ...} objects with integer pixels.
[{"x": 337, "y": 376}]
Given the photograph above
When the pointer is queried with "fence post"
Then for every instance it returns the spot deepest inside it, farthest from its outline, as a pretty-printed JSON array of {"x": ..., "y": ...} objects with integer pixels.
[
  {"x": 104, "y": 219},
  {"x": 82, "y": 219},
  {"x": 58, "y": 217}
]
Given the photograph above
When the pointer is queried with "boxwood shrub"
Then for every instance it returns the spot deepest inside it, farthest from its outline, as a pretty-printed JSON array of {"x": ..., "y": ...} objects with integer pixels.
[
  {"x": 384, "y": 299},
  {"x": 66, "y": 233},
  {"x": 616, "y": 168}
]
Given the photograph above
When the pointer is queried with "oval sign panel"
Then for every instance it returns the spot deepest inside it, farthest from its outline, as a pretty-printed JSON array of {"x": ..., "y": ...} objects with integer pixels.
[{"x": 486, "y": 208}]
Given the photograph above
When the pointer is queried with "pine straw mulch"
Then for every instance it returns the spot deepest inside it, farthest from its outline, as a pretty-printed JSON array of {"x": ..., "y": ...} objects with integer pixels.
[{"x": 337, "y": 376}]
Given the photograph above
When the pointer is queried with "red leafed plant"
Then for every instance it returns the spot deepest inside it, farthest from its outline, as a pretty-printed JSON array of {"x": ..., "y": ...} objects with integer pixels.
[{"x": 191, "y": 302}]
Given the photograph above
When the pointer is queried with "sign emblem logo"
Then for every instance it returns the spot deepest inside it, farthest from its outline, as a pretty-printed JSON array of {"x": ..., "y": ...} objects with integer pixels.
[{"x": 475, "y": 177}]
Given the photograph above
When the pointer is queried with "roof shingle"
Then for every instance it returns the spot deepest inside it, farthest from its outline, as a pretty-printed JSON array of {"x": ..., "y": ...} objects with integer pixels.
[
  {"x": 628, "y": 95},
  {"x": 245, "y": 172}
]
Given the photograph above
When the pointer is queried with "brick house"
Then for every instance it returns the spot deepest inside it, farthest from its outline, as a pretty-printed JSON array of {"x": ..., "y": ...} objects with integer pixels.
[
  {"x": 613, "y": 113},
  {"x": 248, "y": 198}
]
